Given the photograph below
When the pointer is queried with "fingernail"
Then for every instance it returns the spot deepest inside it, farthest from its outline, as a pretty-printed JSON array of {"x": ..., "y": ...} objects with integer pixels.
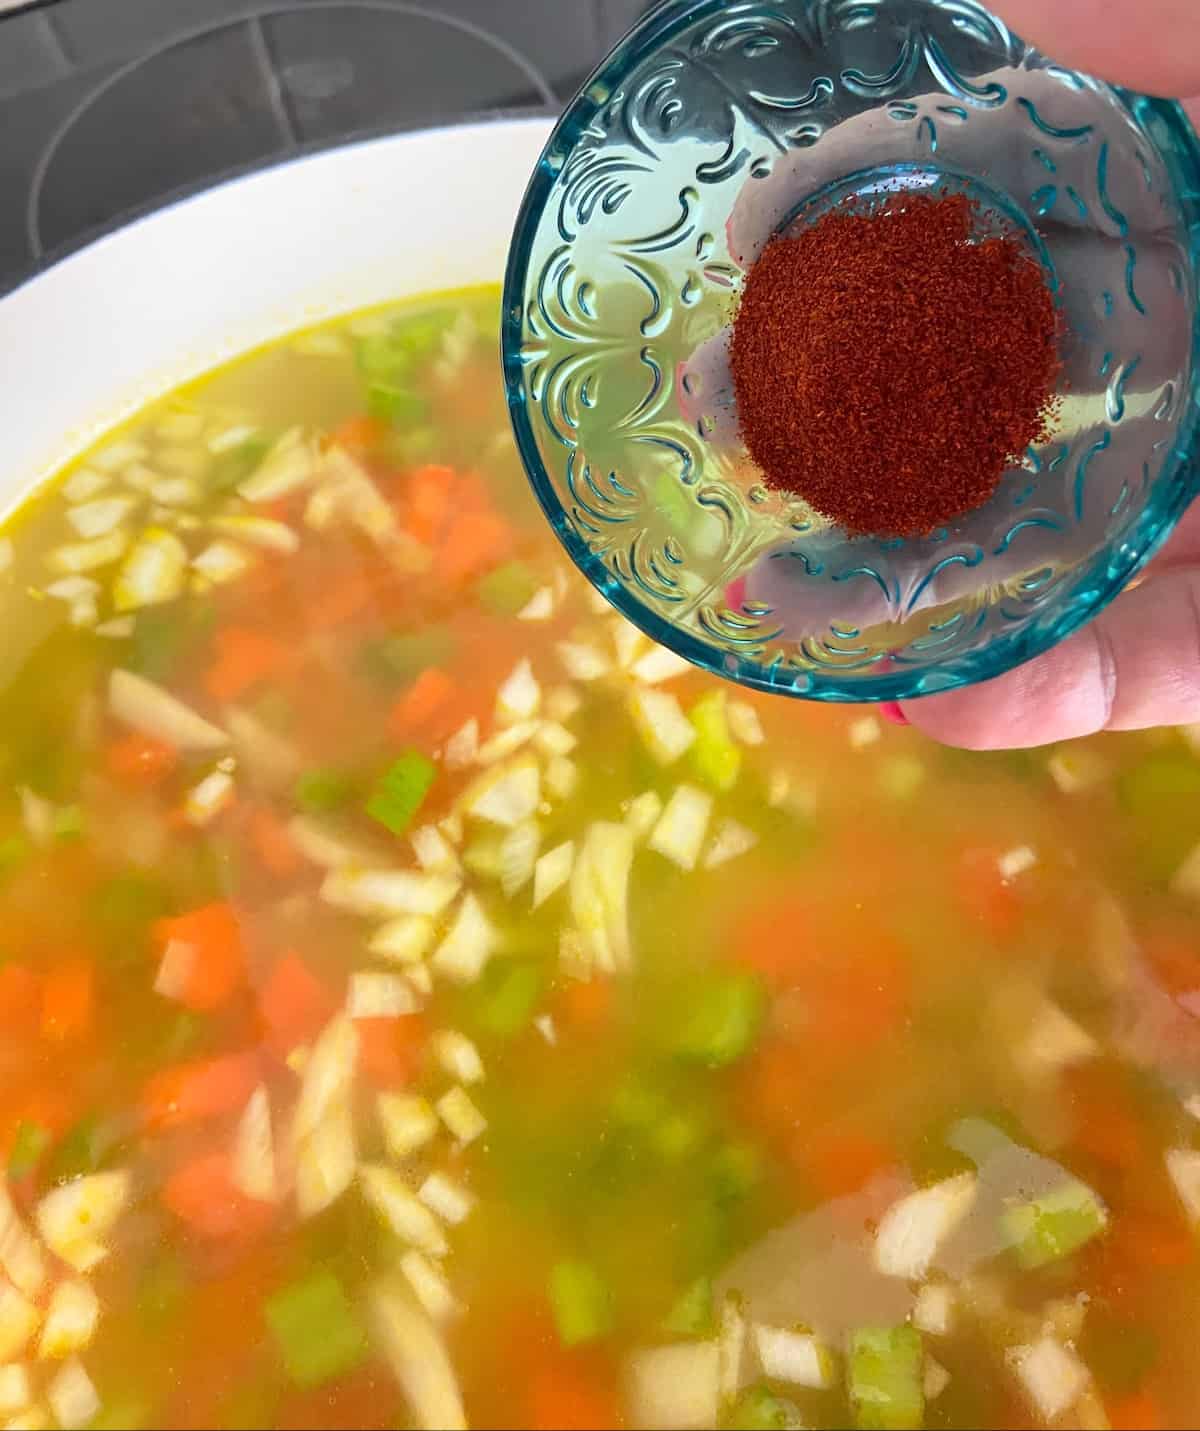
[{"x": 891, "y": 712}]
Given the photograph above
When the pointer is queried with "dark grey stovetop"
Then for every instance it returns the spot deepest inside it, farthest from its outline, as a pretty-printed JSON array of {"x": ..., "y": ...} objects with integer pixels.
[{"x": 108, "y": 107}]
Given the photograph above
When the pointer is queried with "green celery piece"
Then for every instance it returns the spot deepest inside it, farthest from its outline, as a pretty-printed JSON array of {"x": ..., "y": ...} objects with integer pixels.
[
  {"x": 720, "y": 1018},
  {"x": 396, "y": 404},
  {"x": 380, "y": 360},
  {"x": 678, "y": 1133},
  {"x": 401, "y": 791},
  {"x": 30, "y": 1143},
  {"x": 1161, "y": 797},
  {"x": 507, "y": 996},
  {"x": 580, "y": 1301},
  {"x": 232, "y": 468},
  {"x": 84, "y": 1149},
  {"x": 161, "y": 635},
  {"x": 715, "y": 756},
  {"x": 692, "y": 1314},
  {"x": 886, "y": 1379},
  {"x": 759, "y": 1409},
  {"x": 323, "y": 789},
  {"x": 318, "y": 1333},
  {"x": 507, "y": 588},
  {"x": 1054, "y": 1225},
  {"x": 402, "y": 656},
  {"x": 736, "y": 1171}
]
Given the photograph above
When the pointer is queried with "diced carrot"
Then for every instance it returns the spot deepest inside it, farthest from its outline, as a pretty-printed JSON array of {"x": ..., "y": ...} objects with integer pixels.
[
  {"x": 218, "y": 961},
  {"x": 585, "y": 1005},
  {"x": 1104, "y": 1123},
  {"x": 140, "y": 760},
  {"x": 572, "y": 1392},
  {"x": 245, "y": 658},
  {"x": 273, "y": 845},
  {"x": 341, "y": 603},
  {"x": 776, "y": 941},
  {"x": 295, "y": 1006},
  {"x": 20, "y": 997},
  {"x": 68, "y": 995},
  {"x": 358, "y": 434},
  {"x": 1152, "y": 1241},
  {"x": 204, "y": 1088},
  {"x": 428, "y": 492},
  {"x": 1175, "y": 960},
  {"x": 1139, "y": 1412},
  {"x": 843, "y": 1162},
  {"x": 203, "y": 1195},
  {"x": 474, "y": 542},
  {"x": 389, "y": 1050},
  {"x": 424, "y": 701}
]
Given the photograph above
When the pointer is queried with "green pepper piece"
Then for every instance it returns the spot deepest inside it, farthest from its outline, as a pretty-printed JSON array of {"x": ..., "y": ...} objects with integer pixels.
[
  {"x": 401, "y": 791},
  {"x": 886, "y": 1371}
]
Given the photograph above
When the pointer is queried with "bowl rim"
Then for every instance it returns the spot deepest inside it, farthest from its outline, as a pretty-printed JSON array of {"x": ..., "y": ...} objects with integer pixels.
[{"x": 1095, "y": 584}]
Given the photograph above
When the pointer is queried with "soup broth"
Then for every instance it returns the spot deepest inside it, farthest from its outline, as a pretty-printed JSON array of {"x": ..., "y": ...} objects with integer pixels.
[{"x": 424, "y": 1002}]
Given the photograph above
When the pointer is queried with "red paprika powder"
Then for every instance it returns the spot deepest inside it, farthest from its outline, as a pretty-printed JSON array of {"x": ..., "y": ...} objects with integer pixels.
[{"x": 889, "y": 366}]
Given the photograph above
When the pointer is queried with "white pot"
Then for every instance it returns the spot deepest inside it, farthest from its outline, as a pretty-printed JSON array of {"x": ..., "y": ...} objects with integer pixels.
[{"x": 90, "y": 340}]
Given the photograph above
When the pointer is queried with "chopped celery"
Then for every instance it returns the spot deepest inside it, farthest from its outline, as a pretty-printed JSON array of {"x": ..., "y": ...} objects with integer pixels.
[
  {"x": 395, "y": 404},
  {"x": 759, "y": 1409},
  {"x": 379, "y": 359},
  {"x": 84, "y": 1149},
  {"x": 318, "y": 1334},
  {"x": 30, "y": 1143},
  {"x": 506, "y": 997},
  {"x": 508, "y": 588},
  {"x": 162, "y": 634},
  {"x": 677, "y": 1134},
  {"x": 394, "y": 354},
  {"x": 1054, "y": 1225},
  {"x": 232, "y": 467},
  {"x": 719, "y": 1018},
  {"x": 580, "y": 1301},
  {"x": 692, "y": 1314},
  {"x": 714, "y": 754},
  {"x": 401, "y": 791},
  {"x": 403, "y": 655},
  {"x": 736, "y": 1171},
  {"x": 323, "y": 789},
  {"x": 886, "y": 1370}
]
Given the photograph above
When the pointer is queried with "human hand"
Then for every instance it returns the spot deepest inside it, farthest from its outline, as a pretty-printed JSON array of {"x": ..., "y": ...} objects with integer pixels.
[{"x": 1138, "y": 663}]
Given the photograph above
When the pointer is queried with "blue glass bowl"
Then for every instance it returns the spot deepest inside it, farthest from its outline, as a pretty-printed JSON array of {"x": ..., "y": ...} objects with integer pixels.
[{"x": 714, "y": 125}]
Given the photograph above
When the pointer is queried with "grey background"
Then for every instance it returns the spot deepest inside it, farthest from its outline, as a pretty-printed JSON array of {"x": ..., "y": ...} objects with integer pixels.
[{"x": 108, "y": 107}]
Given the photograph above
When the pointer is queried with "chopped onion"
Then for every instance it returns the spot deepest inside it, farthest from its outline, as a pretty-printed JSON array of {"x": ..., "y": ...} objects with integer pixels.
[
  {"x": 1053, "y": 1041},
  {"x": 319, "y": 345},
  {"x": 263, "y": 532},
  {"x": 552, "y": 871},
  {"x": 205, "y": 801},
  {"x": 74, "y": 588},
  {"x": 795, "y": 1357},
  {"x": 1074, "y": 770},
  {"x": 728, "y": 842},
  {"x": 419, "y": 1359},
  {"x": 372, "y": 995},
  {"x": 175, "y": 969},
  {"x": 1016, "y": 862},
  {"x": 72, "y": 1397},
  {"x": 544, "y": 1024},
  {"x": 230, "y": 437},
  {"x": 1052, "y": 1376},
  {"x": 154, "y": 571},
  {"x": 84, "y": 484},
  {"x": 539, "y": 607},
  {"x": 401, "y": 1210},
  {"x": 1183, "y": 1167},
  {"x": 518, "y": 856},
  {"x": 442, "y": 1195},
  {"x": 325, "y": 844},
  {"x": 270, "y": 760},
  {"x": 933, "y": 1311},
  {"x": 795, "y": 797},
  {"x": 458, "y": 1056},
  {"x": 1186, "y": 879},
  {"x": 76, "y": 1217},
  {"x": 20, "y": 1255},
  {"x": 328, "y": 1075},
  {"x": 863, "y": 732},
  {"x": 380, "y": 893},
  {"x": 554, "y": 739},
  {"x": 117, "y": 629},
  {"x": 118, "y": 454},
  {"x": 628, "y": 642},
  {"x": 183, "y": 461},
  {"x": 71, "y": 1319},
  {"x": 912, "y": 1230},
  {"x": 16, "y": 1389},
  {"x": 433, "y": 850},
  {"x": 88, "y": 556},
  {"x": 642, "y": 813},
  {"x": 148, "y": 708},
  {"x": 562, "y": 776},
  {"x": 254, "y": 1150},
  {"x": 659, "y": 720},
  {"x": 563, "y": 702},
  {"x": 600, "y": 895},
  {"x": 460, "y": 1115},
  {"x": 405, "y": 940},
  {"x": 408, "y": 1123},
  {"x": 744, "y": 723},
  {"x": 520, "y": 696},
  {"x": 358, "y": 498},
  {"x": 462, "y": 745},
  {"x": 937, "y": 1379},
  {"x": 468, "y": 944},
  {"x": 221, "y": 561},
  {"x": 429, "y": 1286},
  {"x": 507, "y": 795},
  {"x": 507, "y": 741},
  {"x": 731, "y": 1344},
  {"x": 38, "y": 815},
  {"x": 583, "y": 662},
  {"x": 140, "y": 477},
  {"x": 679, "y": 834},
  {"x": 675, "y": 1388},
  {"x": 18, "y": 1321},
  {"x": 289, "y": 465},
  {"x": 180, "y": 426},
  {"x": 99, "y": 517},
  {"x": 325, "y": 1160},
  {"x": 658, "y": 665}
]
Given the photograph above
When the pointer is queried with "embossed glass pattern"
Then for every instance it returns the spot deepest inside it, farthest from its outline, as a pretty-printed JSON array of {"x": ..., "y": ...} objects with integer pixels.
[{"x": 711, "y": 127}]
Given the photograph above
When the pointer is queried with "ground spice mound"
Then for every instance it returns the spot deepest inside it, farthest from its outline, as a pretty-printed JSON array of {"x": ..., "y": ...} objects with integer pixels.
[{"x": 888, "y": 369}]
